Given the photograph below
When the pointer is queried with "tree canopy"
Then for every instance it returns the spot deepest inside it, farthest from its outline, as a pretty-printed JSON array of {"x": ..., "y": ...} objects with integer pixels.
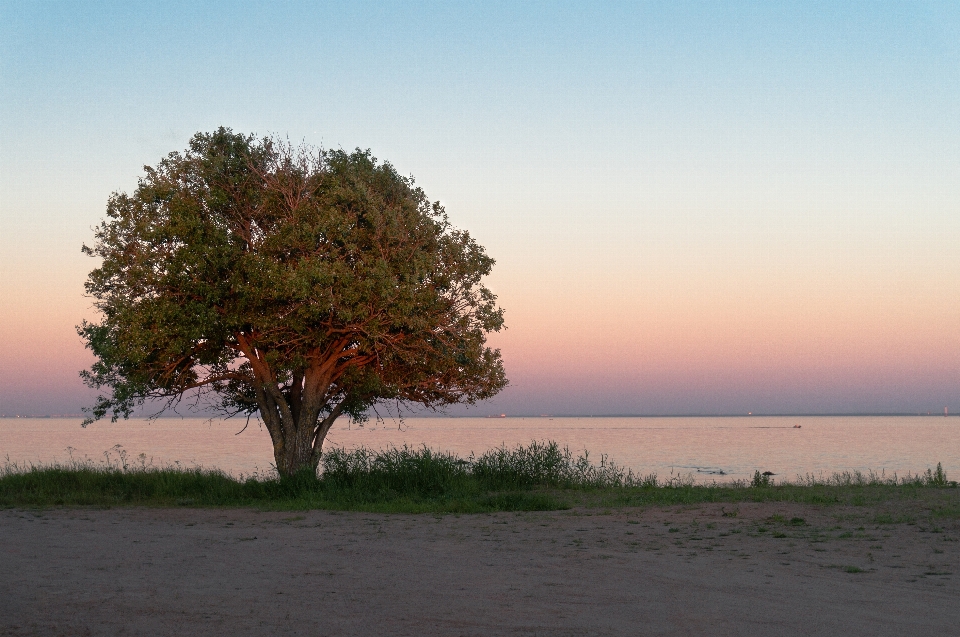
[{"x": 293, "y": 282}]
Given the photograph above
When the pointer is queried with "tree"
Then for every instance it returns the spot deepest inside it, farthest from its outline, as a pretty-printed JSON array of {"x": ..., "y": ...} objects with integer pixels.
[{"x": 296, "y": 283}]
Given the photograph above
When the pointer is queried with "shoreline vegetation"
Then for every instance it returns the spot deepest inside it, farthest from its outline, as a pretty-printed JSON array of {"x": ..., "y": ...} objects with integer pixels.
[{"x": 541, "y": 476}]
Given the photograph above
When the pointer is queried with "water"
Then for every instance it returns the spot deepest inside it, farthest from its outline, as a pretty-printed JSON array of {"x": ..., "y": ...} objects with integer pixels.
[{"x": 703, "y": 447}]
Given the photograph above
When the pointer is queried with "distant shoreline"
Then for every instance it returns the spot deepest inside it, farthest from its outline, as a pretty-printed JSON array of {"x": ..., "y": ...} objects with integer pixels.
[{"x": 757, "y": 415}]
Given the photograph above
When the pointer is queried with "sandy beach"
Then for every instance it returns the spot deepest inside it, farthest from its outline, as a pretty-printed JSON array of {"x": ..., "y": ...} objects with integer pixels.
[{"x": 748, "y": 569}]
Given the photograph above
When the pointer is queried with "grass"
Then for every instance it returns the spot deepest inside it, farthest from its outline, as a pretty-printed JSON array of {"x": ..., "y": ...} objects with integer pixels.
[{"x": 539, "y": 477}]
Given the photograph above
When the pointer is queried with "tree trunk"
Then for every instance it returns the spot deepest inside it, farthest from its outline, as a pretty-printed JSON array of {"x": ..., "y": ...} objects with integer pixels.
[
  {"x": 293, "y": 449},
  {"x": 292, "y": 416},
  {"x": 296, "y": 429},
  {"x": 297, "y": 456}
]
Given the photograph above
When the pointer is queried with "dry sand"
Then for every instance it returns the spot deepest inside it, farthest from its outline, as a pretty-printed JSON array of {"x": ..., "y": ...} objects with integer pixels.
[{"x": 675, "y": 571}]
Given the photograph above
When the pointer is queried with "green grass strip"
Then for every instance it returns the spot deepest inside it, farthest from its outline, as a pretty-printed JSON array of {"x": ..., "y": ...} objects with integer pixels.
[{"x": 541, "y": 476}]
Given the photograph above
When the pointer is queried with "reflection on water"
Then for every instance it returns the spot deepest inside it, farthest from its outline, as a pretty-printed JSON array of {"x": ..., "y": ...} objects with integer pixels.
[{"x": 709, "y": 448}]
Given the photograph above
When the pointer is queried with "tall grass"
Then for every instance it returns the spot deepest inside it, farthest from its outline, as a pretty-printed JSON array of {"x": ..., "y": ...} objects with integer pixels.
[
  {"x": 931, "y": 478},
  {"x": 539, "y": 476},
  {"x": 422, "y": 470}
]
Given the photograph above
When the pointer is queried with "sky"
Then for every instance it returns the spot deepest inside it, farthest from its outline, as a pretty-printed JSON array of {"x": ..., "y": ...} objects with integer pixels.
[{"x": 695, "y": 208}]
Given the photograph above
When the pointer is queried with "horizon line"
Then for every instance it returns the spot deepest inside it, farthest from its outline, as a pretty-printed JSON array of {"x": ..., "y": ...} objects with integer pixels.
[
  {"x": 706, "y": 415},
  {"x": 560, "y": 415}
]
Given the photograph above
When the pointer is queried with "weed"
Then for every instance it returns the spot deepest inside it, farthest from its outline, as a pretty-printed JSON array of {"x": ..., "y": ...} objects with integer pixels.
[
  {"x": 760, "y": 479},
  {"x": 936, "y": 478}
]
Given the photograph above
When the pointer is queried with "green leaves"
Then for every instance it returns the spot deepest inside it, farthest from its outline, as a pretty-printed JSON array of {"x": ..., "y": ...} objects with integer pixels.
[{"x": 289, "y": 281}]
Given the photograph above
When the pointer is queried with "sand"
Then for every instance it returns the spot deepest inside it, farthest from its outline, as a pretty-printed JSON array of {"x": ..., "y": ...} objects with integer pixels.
[{"x": 675, "y": 571}]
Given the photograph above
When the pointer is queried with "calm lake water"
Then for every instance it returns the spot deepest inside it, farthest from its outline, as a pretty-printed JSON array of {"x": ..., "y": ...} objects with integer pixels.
[{"x": 699, "y": 446}]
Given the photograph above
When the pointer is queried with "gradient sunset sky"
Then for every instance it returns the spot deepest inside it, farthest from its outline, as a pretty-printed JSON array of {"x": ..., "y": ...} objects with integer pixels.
[{"x": 696, "y": 208}]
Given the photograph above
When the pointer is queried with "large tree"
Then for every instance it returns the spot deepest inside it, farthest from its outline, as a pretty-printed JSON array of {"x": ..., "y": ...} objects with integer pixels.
[{"x": 297, "y": 283}]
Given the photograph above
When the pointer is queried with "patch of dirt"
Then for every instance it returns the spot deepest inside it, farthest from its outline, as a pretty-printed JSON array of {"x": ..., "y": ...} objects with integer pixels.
[{"x": 747, "y": 569}]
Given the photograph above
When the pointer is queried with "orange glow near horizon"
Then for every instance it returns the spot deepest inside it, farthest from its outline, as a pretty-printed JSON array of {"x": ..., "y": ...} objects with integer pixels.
[{"x": 711, "y": 338}]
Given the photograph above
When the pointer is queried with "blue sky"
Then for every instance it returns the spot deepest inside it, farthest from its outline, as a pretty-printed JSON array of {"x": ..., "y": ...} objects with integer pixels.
[{"x": 695, "y": 207}]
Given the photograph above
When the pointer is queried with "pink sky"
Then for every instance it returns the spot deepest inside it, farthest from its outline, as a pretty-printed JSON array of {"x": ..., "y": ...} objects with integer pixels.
[{"x": 729, "y": 209}]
